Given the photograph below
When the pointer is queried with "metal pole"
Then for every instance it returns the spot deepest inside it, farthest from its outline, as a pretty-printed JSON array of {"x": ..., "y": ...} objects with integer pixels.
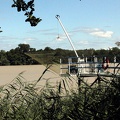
[
  {"x": 60, "y": 66},
  {"x": 58, "y": 17}
]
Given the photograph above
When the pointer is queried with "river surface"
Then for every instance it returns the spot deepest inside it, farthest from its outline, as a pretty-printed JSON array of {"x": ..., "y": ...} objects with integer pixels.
[{"x": 28, "y": 72}]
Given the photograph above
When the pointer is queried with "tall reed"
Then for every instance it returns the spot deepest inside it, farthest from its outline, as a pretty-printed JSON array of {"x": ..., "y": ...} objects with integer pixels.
[{"x": 21, "y": 100}]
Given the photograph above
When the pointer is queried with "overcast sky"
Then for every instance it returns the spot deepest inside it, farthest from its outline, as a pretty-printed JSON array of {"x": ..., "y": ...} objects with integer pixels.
[{"x": 89, "y": 23}]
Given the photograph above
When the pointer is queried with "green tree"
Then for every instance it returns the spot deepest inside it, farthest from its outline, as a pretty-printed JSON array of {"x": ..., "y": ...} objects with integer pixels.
[
  {"x": 3, "y": 58},
  {"x": 24, "y": 48},
  {"x": 32, "y": 50},
  {"x": 17, "y": 56},
  {"x": 48, "y": 49}
]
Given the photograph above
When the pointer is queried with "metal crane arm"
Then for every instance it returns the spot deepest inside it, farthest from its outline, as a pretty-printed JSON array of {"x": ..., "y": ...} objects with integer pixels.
[{"x": 58, "y": 17}]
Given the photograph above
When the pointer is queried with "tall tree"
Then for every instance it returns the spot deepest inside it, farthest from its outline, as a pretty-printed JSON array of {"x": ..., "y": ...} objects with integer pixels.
[{"x": 24, "y": 48}]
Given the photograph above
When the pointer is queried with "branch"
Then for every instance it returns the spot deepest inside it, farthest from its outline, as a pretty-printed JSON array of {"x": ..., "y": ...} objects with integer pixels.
[
  {"x": 0, "y": 30},
  {"x": 28, "y": 8}
]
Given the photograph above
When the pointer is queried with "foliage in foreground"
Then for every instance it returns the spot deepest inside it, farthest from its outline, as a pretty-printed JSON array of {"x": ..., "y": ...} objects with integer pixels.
[
  {"x": 28, "y": 8},
  {"x": 21, "y": 101}
]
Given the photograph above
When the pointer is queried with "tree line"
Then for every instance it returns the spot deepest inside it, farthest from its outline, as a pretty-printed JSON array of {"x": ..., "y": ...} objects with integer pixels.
[
  {"x": 17, "y": 56},
  {"x": 23, "y": 55}
]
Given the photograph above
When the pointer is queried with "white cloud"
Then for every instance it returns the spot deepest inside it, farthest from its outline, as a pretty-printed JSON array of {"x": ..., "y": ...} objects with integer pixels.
[
  {"x": 7, "y": 38},
  {"x": 95, "y": 32},
  {"x": 83, "y": 42},
  {"x": 30, "y": 39},
  {"x": 100, "y": 33},
  {"x": 24, "y": 42}
]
